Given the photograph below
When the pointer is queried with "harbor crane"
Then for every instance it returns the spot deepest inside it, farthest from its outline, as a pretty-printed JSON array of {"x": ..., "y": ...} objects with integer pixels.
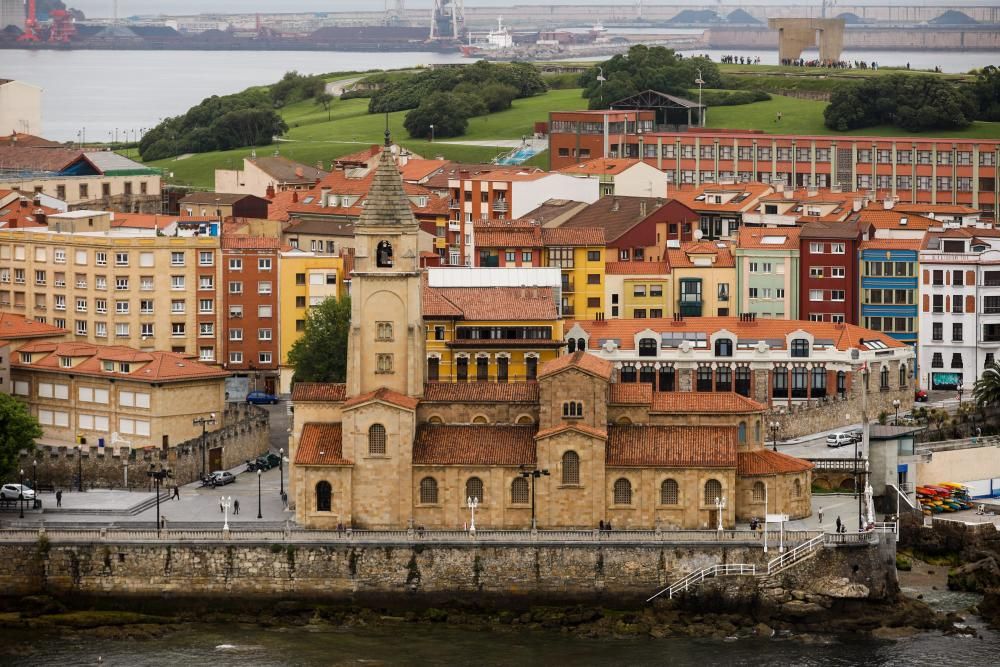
[{"x": 448, "y": 20}]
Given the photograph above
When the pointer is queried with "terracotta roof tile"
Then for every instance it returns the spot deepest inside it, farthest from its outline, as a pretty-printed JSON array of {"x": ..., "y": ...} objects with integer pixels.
[
  {"x": 891, "y": 244},
  {"x": 153, "y": 366},
  {"x": 637, "y": 268},
  {"x": 321, "y": 445},
  {"x": 830, "y": 230},
  {"x": 490, "y": 303},
  {"x": 573, "y": 236},
  {"x": 385, "y": 395},
  {"x": 508, "y": 236},
  {"x": 748, "y": 195},
  {"x": 766, "y": 462},
  {"x": 682, "y": 402},
  {"x": 474, "y": 444},
  {"x": 318, "y": 391},
  {"x": 607, "y": 166},
  {"x": 631, "y": 393},
  {"x": 936, "y": 208},
  {"x": 882, "y": 219},
  {"x": 572, "y": 426},
  {"x": 818, "y": 196},
  {"x": 13, "y": 325},
  {"x": 672, "y": 446},
  {"x": 284, "y": 170},
  {"x": 683, "y": 257},
  {"x": 481, "y": 392},
  {"x": 583, "y": 361},
  {"x": 250, "y": 243},
  {"x": 616, "y": 215},
  {"x": 844, "y": 336},
  {"x": 753, "y": 237}
]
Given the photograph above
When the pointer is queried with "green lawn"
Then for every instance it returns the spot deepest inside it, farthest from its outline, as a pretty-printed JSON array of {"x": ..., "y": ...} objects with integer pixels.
[{"x": 800, "y": 116}]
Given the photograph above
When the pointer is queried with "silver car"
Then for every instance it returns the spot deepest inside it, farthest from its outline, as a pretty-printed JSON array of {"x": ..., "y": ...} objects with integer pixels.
[{"x": 16, "y": 492}]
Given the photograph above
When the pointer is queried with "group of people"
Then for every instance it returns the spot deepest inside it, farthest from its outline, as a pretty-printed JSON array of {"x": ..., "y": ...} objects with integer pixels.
[
  {"x": 604, "y": 525},
  {"x": 831, "y": 64},
  {"x": 740, "y": 60}
]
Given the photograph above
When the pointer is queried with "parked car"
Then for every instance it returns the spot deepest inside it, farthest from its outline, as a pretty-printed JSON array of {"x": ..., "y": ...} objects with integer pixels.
[
  {"x": 222, "y": 477},
  {"x": 839, "y": 439},
  {"x": 261, "y": 397},
  {"x": 16, "y": 492},
  {"x": 920, "y": 396}
]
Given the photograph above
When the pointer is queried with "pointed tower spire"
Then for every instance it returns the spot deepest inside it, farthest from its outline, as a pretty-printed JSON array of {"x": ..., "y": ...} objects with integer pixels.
[
  {"x": 388, "y": 134},
  {"x": 387, "y": 203}
]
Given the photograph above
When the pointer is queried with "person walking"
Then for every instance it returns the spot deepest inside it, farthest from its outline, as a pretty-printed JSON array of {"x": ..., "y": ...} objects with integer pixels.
[
  {"x": 59, "y": 498},
  {"x": 838, "y": 524},
  {"x": 820, "y": 513},
  {"x": 177, "y": 493},
  {"x": 236, "y": 506}
]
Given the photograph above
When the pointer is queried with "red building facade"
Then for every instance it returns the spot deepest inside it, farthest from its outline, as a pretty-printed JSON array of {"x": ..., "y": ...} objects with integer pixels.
[{"x": 828, "y": 272}]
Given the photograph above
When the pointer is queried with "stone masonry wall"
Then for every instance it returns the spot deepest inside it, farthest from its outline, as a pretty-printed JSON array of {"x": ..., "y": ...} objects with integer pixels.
[
  {"x": 417, "y": 574},
  {"x": 243, "y": 436}
]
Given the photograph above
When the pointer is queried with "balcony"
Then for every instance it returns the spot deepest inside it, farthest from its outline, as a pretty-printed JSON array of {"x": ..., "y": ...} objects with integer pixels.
[
  {"x": 568, "y": 311},
  {"x": 500, "y": 206},
  {"x": 454, "y": 226},
  {"x": 568, "y": 287},
  {"x": 454, "y": 205}
]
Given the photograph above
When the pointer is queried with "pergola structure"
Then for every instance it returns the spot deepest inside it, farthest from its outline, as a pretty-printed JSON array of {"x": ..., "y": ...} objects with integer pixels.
[{"x": 670, "y": 109}]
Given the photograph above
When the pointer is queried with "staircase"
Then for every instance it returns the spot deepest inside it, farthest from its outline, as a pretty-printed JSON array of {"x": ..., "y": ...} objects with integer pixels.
[{"x": 774, "y": 566}]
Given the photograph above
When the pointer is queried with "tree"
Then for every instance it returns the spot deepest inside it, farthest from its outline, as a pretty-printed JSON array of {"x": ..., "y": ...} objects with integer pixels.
[
  {"x": 646, "y": 68},
  {"x": 320, "y": 355},
  {"x": 325, "y": 100},
  {"x": 916, "y": 103},
  {"x": 18, "y": 430},
  {"x": 986, "y": 391},
  {"x": 445, "y": 111},
  {"x": 986, "y": 93}
]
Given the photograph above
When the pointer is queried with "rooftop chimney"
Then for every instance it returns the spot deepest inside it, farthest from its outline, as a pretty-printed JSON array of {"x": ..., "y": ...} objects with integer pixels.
[
  {"x": 324, "y": 197},
  {"x": 888, "y": 203},
  {"x": 270, "y": 192},
  {"x": 857, "y": 204}
]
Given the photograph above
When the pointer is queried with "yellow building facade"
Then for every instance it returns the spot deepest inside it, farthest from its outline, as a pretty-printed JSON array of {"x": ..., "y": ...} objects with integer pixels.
[
  {"x": 580, "y": 255},
  {"x": 704, "y": 277},
  {"x": 305, "y": 280}
]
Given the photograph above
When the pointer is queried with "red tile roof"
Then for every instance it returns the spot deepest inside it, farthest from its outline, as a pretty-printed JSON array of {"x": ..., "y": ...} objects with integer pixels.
[
  {"x": 250, "y": 243},
  {"x": 962, "y": 209},
  {"x": 490, "y": 303},
  {"x": 481, "y": 392},
  {"x": 766, "y": 462},
  {"x": 474, "y": 445},
  {"x": 385, "y": 395},
  {"x": 318, "y": 391},
  {"x": 608, "y": 166},
  {"x": 573, "y": 236},
  {"x": 672, "y": 446},
  {"x": 891, "y": 244},
  {"x": 882, "y": 219},
  {"x": 683, "y": 257},
  {"x": 508, "y": 236},
  {"x": 153, "y": 366},
  {"x": 753, "y": 192},
  {"x": 844, "y": 336},
  {"x": 683, "y": 402},
  {"x": 572, "y": 426},
  {"x": 631, "y": 393},
  {"x": 588, "y": 363},
  {"x": 753, "y": 237},
  {"x": 637, "y": 268},
  {"x": 321, "y": 445},
  {"x": 13, "y": 325}
]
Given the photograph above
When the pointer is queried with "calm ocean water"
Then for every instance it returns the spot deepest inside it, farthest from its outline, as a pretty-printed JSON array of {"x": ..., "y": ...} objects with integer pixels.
[{"x": 128, "y": 90}]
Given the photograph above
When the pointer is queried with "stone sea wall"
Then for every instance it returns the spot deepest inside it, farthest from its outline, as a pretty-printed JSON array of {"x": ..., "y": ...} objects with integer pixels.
[{"x": 415, "y": 574}]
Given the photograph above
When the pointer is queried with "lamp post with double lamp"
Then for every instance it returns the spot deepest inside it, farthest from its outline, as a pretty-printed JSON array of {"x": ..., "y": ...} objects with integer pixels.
[
  {"x": 432, "y": 133},
  {"x": 259, "y": 473},
  {"x": 961, "y": 390},
  {"x": 158, "y": 476},
  {"x": 720, "y": 504},
  {"x": 34, "y": 476},
  {"x": 701, "y": 109},
  {"x": 473, "y": 503},
  {"x": 226, "y": 504},
  {"x": 533, "y": 474},
  {"x": 895, "y": 407},
  {"x": 775, "y": 426},
  {"x": 203, "y": 422},
  {"x": 281, "y": 469},
  {"x": 20, "y": 495},
  {"x": 79, "y": 468}
]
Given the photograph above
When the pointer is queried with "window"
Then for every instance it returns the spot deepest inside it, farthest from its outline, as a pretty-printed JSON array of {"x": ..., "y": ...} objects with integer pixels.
[
  {"x": 383, "y": 331},
  {"x": 146, "y": 306},
  {"x": 131, "y": 399},
  {"x": 648, "y": 347},
  {"x": 324, "y": 497},
  {"x": 235, "y": 264},
  {"x": 205, "y": 306},
  {"x": 816, "y": 248},
  {"x": 178, "y": 329},
  {"x": 622, "y": 492},
  {"x": 713, "y": 490},
  {"x": 146, "y": 283},
  {"x": 759, "y": 492},
  {"x": 474, "y": 488},
  {"x": 121, "y": 259},
  {"x": 937, "y": 361},
  {"x": 122, "y": 307},
  {"x": 937, "y": 303},
  {"x": 263, "y": 334},
  {"x": 236, "y": 334},
  {"x": 176, "y": 282},
  {"x": 206, "y": 354},
  {"x": 146, "y": 330},
  {"x": 531, "y": 368},
  {"x": 571, "y": 468},
  {"x": 800, "y": 347},
  {"x": 704, "y": 379},
  {"x": 122, "y": 331},
  {"x": 956, "y": 305},
  {"x": 206, "y": 329},
  {"x": 264, "y": 358},
  {"x": 383, "y": 363},
  {"x": 236, "y": 357},
  {"x": 572, "y": 409},
  {"x": 428, "y": 491},
  {"x": 206, "y": 258},
  {"x": 264, "y": 287},
  {"x": 639, "y": 290},
  {"x": 206, "y": 282},
  {"x": 669, "y": 492},
  {"x": 956, "y": 360},
  {"x": 519, "y": 492},
  {"x": 724, "y": 347},
  {"x": 376, "y": 440},
  {"x": 81, "y": 305},
  {"x": 133, "y": 426},
  {"x": 956, "y": 332},
  {"x": 177, "y": 259}
]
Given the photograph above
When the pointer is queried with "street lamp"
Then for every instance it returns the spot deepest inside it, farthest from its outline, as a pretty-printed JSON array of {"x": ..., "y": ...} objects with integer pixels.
[
  {"x": 701, "y": 109},
  {"x": 961, "y": 388},
  {"x": 158, "y": 476},
  {"x": 533, "y": 474},
  {"x": 432, "y": 133},
  {"x": 281, "y": 470},
  {"x": 720, "y": 504},
  {"x": 34, "y": 476},
  {"x": 79, "y": 468},
  {"x": 226, "y": 504},
  {"x": 259, "y": 473},
  {"x": 775, "y": 426},
  {"x": 203, "y": 422},
  {"x": 20, "y": 489},
  {"x": 473, "y": 503},
  {"x": 895, "y": 406},
  {"x": 600, "y": 76}
]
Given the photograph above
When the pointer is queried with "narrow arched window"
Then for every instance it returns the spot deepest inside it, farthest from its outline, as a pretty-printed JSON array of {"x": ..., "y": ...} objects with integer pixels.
[
  {"x": 759, "y": 492},
  {"x": 435, "y": 419},
  {"x": 713, "y": 490},
  {"x": 669, "y": 492},
  {"x": 519, "y": 491},
  {"x": 884, "y": 378},
  {"x": 724, "y": 347},
  {"x": 525, "y": 419},
  {"x": 571, "y": 468},
  {"x": 428, "y": 491},
  {"x": 581, "y": 344},
  {"x": 571, "y": 348},
  {"x": 474, "y": 489},
  {"x": 756, "y": 431},
  {"x": 741, "y": 432},
  {"x": 902, "y": 376},
  {"x": 376, "y": 440},
  {"x": 648, "y": 347},
  {"x": 324, "y": 497},
  {"x": 623, "y": 492},
  {"x": 797, "y": 488},
  {"x": 383, "y": 255},
  {"x": 480, "y": 419},
  {"x": 800, "y": 347}
]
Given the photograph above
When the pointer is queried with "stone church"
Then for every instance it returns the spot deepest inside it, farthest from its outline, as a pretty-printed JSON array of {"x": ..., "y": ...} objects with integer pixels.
[{"x": 388, "y": 450}]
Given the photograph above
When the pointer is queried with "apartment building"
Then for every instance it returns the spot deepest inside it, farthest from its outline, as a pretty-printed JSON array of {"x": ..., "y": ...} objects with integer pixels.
[
  {"x": 789, "y": 207},
  {"x": 637, "y": 228},
  {"x": 767, "y": 272},
  {"x": 637, "y": 290},
  {"x": 134, "y": 287},
  {"x": 114, "y": 396},
  {"x": 704, "y": 275},
  {"x": 915, "y": 169},
  {"x": 249, "y": 290},
  {"x": 222, "y": 205},
  {"x": 266, "y": 176},
  {"x": 622, "y": 177},
  {"x": 828, "y": 272},
  {"x": 721, "y": 208},
  {"x": 959, "y": 320},
  {"x": 304, "y": 280}
]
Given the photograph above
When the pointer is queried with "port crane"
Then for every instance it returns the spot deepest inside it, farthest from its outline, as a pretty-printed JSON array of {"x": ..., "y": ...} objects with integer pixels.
[
  {"x": 61, "y": 31},
  {"x": 448, "y": 20}
]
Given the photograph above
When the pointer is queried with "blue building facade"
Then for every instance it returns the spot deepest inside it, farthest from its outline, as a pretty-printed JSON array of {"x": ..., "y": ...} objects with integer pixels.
[{"x": 890, "y": 289}]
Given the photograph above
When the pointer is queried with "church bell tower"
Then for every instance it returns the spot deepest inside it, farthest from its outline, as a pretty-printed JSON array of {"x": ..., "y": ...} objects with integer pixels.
[{"x": 386, "y": 343}]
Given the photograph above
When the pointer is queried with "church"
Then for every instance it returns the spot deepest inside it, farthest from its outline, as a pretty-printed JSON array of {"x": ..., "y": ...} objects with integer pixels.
[{"x": 569, "y": 449}]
